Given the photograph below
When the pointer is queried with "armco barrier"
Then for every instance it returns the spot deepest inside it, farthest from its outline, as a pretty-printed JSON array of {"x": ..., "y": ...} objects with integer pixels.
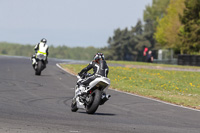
[{"x": 190, "y": 60}]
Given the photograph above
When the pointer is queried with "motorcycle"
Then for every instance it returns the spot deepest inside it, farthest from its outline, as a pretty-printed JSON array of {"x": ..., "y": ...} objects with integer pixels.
[
  {"x": 91, "y": 96},
  {"x": 39, "y": 63}
]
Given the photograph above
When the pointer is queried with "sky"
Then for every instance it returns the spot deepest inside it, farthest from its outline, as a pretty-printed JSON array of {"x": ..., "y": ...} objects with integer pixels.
[{"x": 72, "y": 23}]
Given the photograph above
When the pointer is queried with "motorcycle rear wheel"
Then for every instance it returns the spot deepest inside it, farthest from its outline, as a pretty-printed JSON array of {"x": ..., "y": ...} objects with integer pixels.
[{"x": 91, "y": 109}]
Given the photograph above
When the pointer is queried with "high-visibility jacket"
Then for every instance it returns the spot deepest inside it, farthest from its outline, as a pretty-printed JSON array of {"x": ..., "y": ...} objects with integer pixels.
[{"x": 42, "y": 48}]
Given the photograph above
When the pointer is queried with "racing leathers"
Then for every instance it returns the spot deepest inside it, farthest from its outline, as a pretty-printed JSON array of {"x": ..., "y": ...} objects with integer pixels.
[
  {"x": 40, "y": 48},
  {"x": 100, "y": 68}
]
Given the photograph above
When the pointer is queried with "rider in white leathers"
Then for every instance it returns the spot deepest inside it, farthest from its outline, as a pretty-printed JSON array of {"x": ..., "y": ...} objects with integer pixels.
[{"x": 40, "y": 48}]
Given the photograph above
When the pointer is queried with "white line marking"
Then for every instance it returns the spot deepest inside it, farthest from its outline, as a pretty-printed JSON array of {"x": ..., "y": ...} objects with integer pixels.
[
  {"x": 64, "y": 69},
  {"x": 74, "y": 131},
  {"x": 142, "y": 96}
]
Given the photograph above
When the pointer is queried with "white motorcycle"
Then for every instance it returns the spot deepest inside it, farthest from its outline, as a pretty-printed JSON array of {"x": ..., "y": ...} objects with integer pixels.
[
  {"x": 40, "y": 63},
  {"x": 91, "y": 96}
]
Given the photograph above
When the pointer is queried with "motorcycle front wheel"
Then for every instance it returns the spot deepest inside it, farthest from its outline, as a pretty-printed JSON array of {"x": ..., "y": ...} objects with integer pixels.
[
  {"x": 39, "y": 68},
  {"x": 74, "y": 106},
  {"x": 94, "y": 104}
]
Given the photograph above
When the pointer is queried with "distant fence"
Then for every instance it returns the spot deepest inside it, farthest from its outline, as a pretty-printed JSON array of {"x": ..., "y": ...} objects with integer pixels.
[{"x": 190, "y": 60}]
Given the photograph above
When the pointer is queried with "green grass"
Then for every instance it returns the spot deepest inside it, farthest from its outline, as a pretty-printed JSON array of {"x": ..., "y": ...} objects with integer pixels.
[
  {"x": 179, "y": 87},
  {"x": 151, "y": 64}
]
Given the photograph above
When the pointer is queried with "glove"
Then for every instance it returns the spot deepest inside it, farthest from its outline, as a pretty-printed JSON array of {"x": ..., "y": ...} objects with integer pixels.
[{"x": 81, "y": 75}]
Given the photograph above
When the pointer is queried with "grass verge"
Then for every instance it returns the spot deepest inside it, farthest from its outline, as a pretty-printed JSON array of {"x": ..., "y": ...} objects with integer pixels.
[
  {"x": 152, "y": 64},
  {"x": 178, "y": 87}
]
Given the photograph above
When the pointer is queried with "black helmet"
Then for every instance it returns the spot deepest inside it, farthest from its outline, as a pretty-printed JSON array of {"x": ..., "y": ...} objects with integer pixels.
[
  {"x": 101, "y": 55},
  {"x": 43, "y": 40},
  {"x": 97, "y": 57}
]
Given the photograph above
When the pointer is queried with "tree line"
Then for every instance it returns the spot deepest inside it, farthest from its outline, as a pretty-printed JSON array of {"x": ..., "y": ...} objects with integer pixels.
[
  {"x": 168, "y": 24},
  {"x": 129, "y": 44},
  {"x": 179, "y": 29},
  {"x": 61, "y": 52}
]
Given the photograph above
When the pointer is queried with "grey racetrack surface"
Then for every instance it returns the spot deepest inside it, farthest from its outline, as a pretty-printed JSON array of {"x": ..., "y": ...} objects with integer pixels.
[{"x": 41, "y": 104}]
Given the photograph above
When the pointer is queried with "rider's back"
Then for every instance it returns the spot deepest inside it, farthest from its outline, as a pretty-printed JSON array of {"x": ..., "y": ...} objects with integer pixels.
[
  {"x": 43, "y": 47},
  {"x": 103, "y": 70}
]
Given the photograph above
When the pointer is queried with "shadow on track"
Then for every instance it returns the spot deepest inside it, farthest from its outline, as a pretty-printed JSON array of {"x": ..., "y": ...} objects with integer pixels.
[{"x": 103, "y": 114}]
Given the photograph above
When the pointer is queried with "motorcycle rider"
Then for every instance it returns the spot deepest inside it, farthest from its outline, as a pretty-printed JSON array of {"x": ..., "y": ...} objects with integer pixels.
[
  {"x": 99, "y": 67},
  {"x": 40, "y": 48}
]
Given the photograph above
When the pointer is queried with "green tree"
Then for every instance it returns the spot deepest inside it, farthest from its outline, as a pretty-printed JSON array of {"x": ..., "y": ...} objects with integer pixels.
[
  {"x": 155, "y": 11},
  {"x": 141, "y": 39},
  {"x": 168, "y": 27},
  {"x": 190, "y": 31},
  {"x": 118, "y": 44},
  {"x": 127, "y": 44},
  {"x": 152, "y": 13}
]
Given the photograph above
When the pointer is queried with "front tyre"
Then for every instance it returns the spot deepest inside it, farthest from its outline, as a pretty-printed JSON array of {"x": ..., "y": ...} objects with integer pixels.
[
  {"x": 39, "y": 68},
  {"x": 92, "y": 107},
  {"x": 74, "y": 105},
  {"x": 37, "y": 73}
]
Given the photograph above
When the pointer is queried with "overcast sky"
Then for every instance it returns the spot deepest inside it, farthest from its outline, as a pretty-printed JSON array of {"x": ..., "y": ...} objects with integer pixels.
[{"x": 67, "y": 22}]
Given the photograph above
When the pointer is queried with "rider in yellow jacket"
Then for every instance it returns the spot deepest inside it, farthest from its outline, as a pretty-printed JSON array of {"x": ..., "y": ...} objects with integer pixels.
[{"x": 41, "y": 48}]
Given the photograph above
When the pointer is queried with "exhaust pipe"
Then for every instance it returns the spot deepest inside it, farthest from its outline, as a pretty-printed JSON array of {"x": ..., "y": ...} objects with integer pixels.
[
  {"x": 108, "y": 96},
  {"x": 105, "y": 97}
]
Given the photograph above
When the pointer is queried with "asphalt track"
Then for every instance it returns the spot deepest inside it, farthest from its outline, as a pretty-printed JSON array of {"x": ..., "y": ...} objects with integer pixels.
[{"x": 41, "y": 104}]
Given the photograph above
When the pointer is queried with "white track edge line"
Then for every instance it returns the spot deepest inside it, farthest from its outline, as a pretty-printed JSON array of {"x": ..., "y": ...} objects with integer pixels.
[{"x": 139, "y": 95}]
